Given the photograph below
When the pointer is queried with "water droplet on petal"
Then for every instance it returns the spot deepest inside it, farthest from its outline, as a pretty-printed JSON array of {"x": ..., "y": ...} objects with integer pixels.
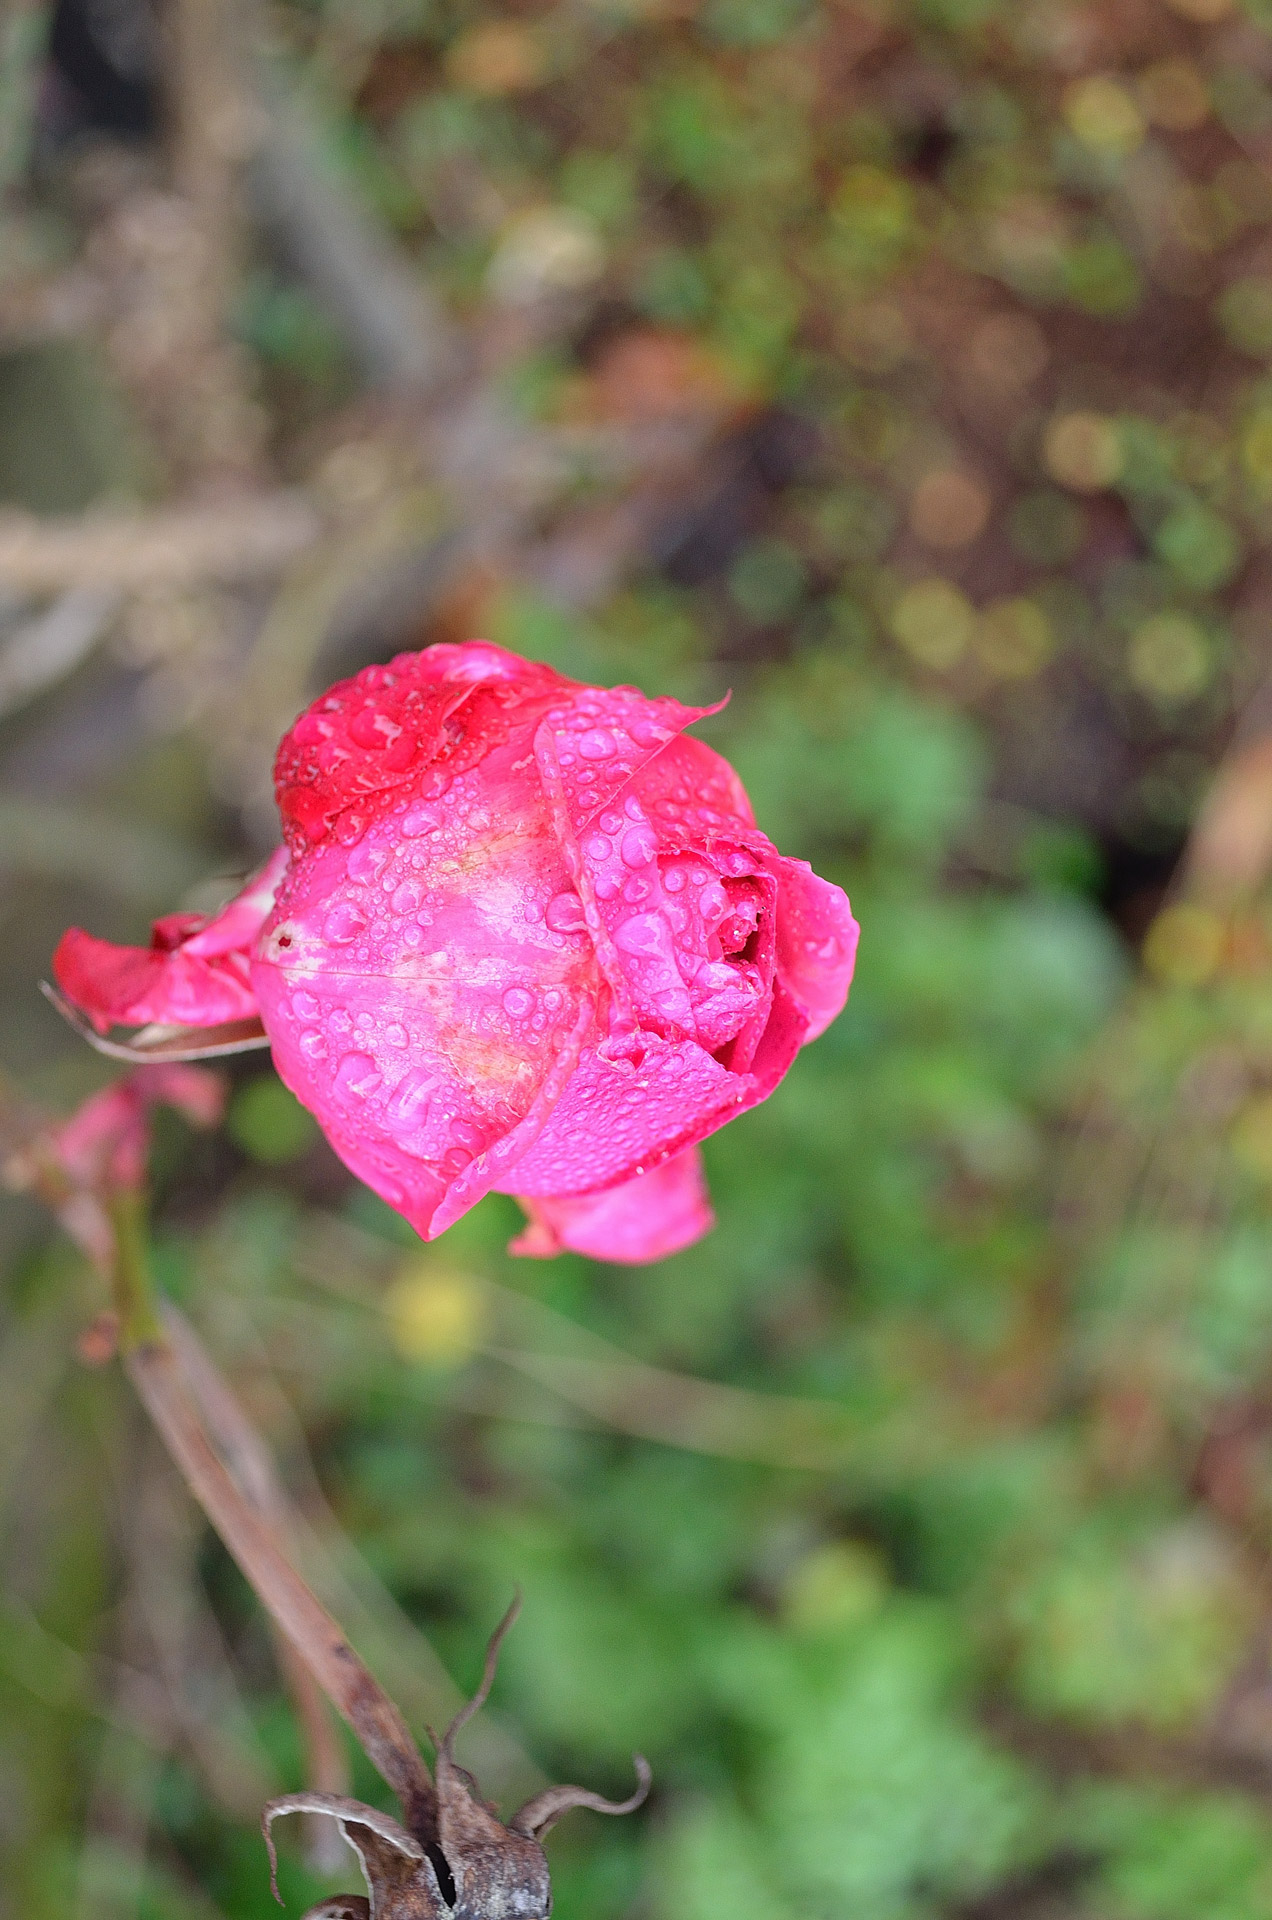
[
  {"x": 367, "y": 861},
  {"x": 350, "y": 827},
  {"x": 313, "y": 1045},
  {"x": 418, "y": 820},
  {"x": 304, "y": 1005},
  {"x": 565, "y": 913},
  {"x": 411, "y": 1101},
  {"x": 518, "y": 1002},
  {"x": 344, "y": 923},
  {"x": 639, "y": 846},
  {"x": 407, "y": 897},
  {"x": 358, "y": 1075}
]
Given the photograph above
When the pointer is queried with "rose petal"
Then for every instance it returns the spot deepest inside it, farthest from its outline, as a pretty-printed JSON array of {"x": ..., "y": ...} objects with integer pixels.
[
  {"x": 646, "y": 1218},
  {"x": 194, "y": 973},
  {"x": 421, "y": 1001},
  {"x": 624, "y": 1110},
  {"x": 134, "y": 986},
  {"x": 816, "y": 943},
  {"x": 387, "y": 728},
  {"x": 104, "y": 1144}
]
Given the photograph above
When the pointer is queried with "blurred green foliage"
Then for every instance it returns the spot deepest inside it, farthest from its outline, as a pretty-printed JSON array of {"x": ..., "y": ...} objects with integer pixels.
[{"x": 999, "y": 274}]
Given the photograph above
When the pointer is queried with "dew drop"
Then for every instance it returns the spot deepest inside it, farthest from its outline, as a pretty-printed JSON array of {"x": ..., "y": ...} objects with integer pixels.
[
  {"x": 418, "y": 820},
  {"x": 639, "y": 846},
  {"x": 565, "y": 913},
  {"x": 312, "y": 1044},
  {"x": 344, "y": 923},
  {"x": 358, "y": 1076},
  {"x": 367, "y": 861},
  {"x": 396, "y": 1035},
  {"x": 411, "y": 1099},
  {"x": 674, "y": 880},
  {"x": 304, "y": 1005},
  {"x": 517, "y": 1002},
  {"x": 407, "y": 897}
]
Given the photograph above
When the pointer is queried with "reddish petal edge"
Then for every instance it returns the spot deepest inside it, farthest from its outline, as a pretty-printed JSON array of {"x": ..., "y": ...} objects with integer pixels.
[
  {"x": 185, "y": 979},
  {"x": 137, "y": 986},
  {"x": 647, "y": 1218}
]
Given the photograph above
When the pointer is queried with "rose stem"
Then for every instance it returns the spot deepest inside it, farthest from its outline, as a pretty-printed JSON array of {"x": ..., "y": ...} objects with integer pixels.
[{"x": 155, "y": 1370}]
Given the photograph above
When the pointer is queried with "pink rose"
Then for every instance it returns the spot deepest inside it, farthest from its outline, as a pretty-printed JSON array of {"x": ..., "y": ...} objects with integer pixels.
[{"x": 524, "y": 936}]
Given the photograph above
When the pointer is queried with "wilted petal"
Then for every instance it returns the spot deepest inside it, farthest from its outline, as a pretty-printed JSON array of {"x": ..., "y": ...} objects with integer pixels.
[
  {"x": 105, "y": 1143},
  {"x": 193, "y": 974}
]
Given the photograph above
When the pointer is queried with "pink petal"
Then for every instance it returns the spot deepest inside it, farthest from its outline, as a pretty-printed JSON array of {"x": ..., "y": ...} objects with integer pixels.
[
  {"x": 133, "y": 986},
  {"x": 196, "y": 1093},
  {"x": 421, "y": 998},
  {"x": 194, "y": 973},
  {"x": 385, "y": 730},
  {"x": 647, "y": 1218},
  {"x": 816, "y": 943},
  {"x": 628, "y": 1104},
  {"x": 105, "y": 1143},
  {"x": 235, "y": 927}
]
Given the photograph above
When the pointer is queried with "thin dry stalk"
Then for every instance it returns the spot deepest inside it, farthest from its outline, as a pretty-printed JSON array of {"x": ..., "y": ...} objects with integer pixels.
[{"x": 156, "y": 1373}]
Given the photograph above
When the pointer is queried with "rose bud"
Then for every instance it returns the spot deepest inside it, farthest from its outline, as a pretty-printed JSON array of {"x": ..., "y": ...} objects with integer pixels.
[{"x": 524, "y": 935}]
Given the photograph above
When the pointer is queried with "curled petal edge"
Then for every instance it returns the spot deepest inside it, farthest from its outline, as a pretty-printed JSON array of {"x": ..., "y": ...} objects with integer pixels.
[{"x": 648, "y": 1217}]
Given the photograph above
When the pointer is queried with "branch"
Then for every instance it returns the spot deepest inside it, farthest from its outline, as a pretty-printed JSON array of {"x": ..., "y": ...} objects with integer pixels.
[
  {"x": 251, "y": 1465},
  {"x": 231, "y": 540},
  {"x": 156, "y": 1373}
]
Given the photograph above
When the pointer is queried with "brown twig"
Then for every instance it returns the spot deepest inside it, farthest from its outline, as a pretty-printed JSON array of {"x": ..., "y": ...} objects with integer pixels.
[
  {"x": 156, "y": 1373},
  {"x": 233, "y": 539},
  {"x": 250, "y": 1464}
]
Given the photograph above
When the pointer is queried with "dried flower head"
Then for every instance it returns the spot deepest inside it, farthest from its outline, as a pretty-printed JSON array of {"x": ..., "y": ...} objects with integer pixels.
[{"x": 457, "y": 1860}]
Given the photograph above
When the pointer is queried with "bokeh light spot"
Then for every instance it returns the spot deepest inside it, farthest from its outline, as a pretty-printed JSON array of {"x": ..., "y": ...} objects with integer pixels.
[
  {"x": 934, "y": 622},
  {"x": 1169, "y": 657},
  {"x": 1083, "y": 450},
  {"x": 1104, "y": 115},
  {"x": 437, "y": 1315},
  {"x": 1014, "y": 638},
  {"x": 949, "y": 508}
]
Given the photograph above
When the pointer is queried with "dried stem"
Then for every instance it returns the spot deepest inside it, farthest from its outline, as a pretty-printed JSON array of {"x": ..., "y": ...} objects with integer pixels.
[
  {"x": 156, "y": 1373},
  {"x": 245, "y": 1522},
  {"x": 250, "y": 1464}
]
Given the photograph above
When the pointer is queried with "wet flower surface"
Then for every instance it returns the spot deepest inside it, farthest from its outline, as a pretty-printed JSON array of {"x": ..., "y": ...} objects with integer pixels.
[{"x": 523, "y": 935}]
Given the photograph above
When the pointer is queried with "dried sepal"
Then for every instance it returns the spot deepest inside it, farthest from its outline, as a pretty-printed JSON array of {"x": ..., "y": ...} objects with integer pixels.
[
  {"x": 541, "y": 1813},
  {"x": 166, "y": 1043},
  {"x": 471, "y": 1866},
  {"x": 401, "y": 1879}
]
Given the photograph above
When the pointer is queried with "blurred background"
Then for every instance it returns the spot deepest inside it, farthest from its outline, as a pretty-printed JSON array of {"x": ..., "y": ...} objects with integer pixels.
[{"x": 906, "y": 367}]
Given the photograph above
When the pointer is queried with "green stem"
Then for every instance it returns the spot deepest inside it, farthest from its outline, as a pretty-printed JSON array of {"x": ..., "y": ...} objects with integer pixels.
[{"x": 131, "y": 1276}]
